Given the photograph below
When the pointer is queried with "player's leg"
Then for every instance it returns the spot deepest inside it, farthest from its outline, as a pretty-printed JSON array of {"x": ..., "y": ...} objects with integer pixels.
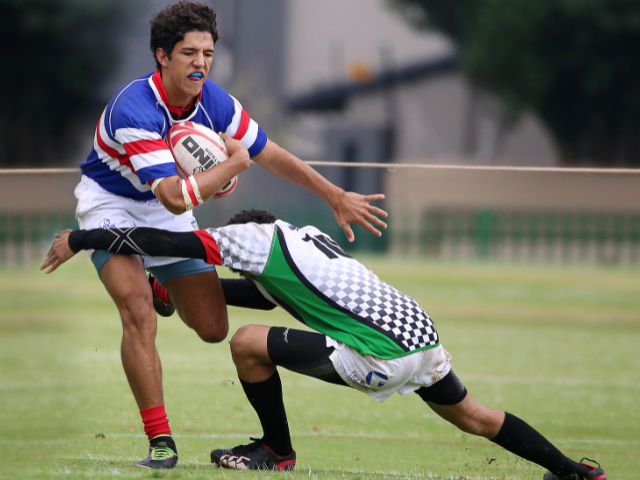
[
  {"x": 125, "y": 280},
  {"x": 256, "y": 351},
  {"x": 200, "y": 303},
  {"x": 449, "y": 399}
]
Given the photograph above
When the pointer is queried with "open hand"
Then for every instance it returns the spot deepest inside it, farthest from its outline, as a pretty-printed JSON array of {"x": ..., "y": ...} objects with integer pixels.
[
  {"x": 59, "y": 252},
  {"x": 356, "y": 208}
]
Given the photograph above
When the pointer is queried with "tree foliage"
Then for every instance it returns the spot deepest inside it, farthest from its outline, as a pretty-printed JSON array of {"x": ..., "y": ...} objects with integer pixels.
[
  {"x": 575, "y": 63},
  {"x": 55, "y": 55}
]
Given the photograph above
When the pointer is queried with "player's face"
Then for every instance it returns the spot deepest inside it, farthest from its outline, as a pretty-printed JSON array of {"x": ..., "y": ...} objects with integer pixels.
[{"x": 184, "y": 73}]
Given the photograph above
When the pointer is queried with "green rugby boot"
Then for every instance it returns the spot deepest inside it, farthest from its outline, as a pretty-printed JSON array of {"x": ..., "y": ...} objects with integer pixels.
[{"x": 163, "y": 453}]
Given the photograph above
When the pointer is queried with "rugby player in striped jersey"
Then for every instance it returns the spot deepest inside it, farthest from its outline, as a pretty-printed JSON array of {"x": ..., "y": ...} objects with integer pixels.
[
  {"x": 129, "y": 179},
  {"x": 371, "y": 337}
]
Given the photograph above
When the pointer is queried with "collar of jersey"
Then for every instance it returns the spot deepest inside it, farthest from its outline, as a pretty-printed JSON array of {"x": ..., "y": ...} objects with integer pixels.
[{"x": 161, "y": 94}]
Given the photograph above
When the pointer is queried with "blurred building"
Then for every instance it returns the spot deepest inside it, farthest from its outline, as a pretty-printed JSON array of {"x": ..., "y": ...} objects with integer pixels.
[
  {"x": 349, "y": 80},
  {"x": 301, "y": 67},
  {"x": 345, "y": 80}
]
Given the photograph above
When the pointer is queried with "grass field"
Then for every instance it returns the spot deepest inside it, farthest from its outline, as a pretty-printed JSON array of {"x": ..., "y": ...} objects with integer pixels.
[{"x": 556, "y": 346}]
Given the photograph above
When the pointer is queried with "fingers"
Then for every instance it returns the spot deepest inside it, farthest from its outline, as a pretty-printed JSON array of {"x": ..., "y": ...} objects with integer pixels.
[
  {"x": 378, "y": 211},
  {"x": 356, "y": 208},
  {"x": 63, "y": 232},
  {"x": 370, "y": 228},
  {"x": 376, "y": 221},
  {"x": 55, "y": 265},
  {"x": 373, "y": 198},
  {"x": 58, "y": 253},
  {"x": 46, "y": 263},
  {"x": 347, "y": 229},
  {"x": 231, "y": 143},
  {"x": 48, "y": 259},
  {"x": 52, "y": 262}
]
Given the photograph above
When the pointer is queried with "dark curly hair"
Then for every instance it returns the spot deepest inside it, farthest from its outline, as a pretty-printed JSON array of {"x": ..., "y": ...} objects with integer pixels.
[
  {"x": 252, "y": 215},
  {"x": 170, "y": 25}
]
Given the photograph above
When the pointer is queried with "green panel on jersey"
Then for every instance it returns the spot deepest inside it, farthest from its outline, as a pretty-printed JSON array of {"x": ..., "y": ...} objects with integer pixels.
[{"x": 280, "y": 281}]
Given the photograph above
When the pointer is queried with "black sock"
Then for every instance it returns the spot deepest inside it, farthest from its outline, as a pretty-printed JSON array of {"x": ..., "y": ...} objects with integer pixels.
[
  {"x": 521, "y": 439},
  {"x": 163, "y": 441},
  {"x": 266, "y": 399}
]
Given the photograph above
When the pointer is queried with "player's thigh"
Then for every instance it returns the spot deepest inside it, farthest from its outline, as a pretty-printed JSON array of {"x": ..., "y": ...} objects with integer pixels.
[
  {"x": 303, "y": 352},
  {"x": 125, "y": 280},
  {"x": 199, "y": 300}
]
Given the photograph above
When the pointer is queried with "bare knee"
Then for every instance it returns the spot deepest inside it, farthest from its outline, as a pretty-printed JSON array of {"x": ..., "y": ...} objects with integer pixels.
[
  {"x": 216, "y": 336},
  {"x": 208, "y": 319},
  {"x": 241, "y": 343},
  {"x": 249, "y": 345},
  {"x": 214, "y": 329}
]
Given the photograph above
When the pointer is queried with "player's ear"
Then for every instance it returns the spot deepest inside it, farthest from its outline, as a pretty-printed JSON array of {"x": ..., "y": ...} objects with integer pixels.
[{"x": 162, "y": 57}]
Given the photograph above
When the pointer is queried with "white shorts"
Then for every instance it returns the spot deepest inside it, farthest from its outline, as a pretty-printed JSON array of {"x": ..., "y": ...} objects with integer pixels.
[
  {"x": 380, "y": 378},
  {"x": 98, "y": 208}
]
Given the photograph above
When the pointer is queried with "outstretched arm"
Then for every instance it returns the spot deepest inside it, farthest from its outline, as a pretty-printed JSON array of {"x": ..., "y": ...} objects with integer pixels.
[
  {"x": 348, "y": 207},
  {"x": 152, "y": 242}
]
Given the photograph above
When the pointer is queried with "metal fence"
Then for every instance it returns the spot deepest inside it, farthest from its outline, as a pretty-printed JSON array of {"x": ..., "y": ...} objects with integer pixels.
[
  {"x": 568, "y": 217},
  {"x": 519, "y": 235},
  {"x": 25, "y": 236}
]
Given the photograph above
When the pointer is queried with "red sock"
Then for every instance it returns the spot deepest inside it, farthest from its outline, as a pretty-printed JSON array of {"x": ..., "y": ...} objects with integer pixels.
[
  {"x": 155, "y": 421},
  {"x": 160, "y": 292}
]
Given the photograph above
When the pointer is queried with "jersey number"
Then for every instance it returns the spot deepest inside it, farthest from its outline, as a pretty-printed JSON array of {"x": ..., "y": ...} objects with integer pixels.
[{"x": 326, "y": 245}]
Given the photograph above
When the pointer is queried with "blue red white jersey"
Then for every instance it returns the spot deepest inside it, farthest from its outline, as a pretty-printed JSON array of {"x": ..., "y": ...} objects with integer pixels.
[{"x": 129, "y": 149}]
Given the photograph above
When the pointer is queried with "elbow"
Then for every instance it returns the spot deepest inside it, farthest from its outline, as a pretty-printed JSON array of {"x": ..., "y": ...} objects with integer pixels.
[
  {"x": 172, "y": 200},
  {"x": 174, "y": 205}
]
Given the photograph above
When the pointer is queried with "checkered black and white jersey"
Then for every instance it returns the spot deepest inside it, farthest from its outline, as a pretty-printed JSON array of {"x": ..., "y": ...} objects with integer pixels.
[
  {"x": 308, "y": 273},
  {"x": 244, "y": 247}
]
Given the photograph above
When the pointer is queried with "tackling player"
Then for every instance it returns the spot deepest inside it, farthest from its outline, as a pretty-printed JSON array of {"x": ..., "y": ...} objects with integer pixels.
[
  {"x": 372, "y": 337},
  {"x": 129, "y": 179}
]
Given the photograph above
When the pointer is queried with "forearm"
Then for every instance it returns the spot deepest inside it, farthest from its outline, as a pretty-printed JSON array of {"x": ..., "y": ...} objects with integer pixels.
[
  {"x": 287, "y": 166},
  {"x": 169, "y": 190},
  {"x": 139, "y": 241}
]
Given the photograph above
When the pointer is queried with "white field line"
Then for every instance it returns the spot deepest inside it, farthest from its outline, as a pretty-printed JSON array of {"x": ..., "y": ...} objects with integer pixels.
[
  {"x": 301, "y": 470},
  {"x": 339, "y": 436}
]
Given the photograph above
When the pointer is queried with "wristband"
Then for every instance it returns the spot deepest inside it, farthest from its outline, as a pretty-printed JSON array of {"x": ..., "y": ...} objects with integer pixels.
[
  {"x": 196, "y": 190},
  {"x": 191, "y": 193},
  {"x": 188, "y": 201}
]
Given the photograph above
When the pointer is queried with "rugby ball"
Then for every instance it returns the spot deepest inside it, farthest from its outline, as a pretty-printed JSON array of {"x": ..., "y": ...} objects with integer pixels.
[{"x": 197, "y": 148}]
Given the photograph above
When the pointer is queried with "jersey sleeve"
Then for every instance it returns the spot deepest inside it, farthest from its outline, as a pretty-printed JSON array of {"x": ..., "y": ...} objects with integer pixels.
[
  {"x": 146, "y": 151},
  {"x": 243, "y": 247},
  {"x": 240, "y": 247},
  {"x": 152, "y": 242},
  {"x": 245, "y": 129}
]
